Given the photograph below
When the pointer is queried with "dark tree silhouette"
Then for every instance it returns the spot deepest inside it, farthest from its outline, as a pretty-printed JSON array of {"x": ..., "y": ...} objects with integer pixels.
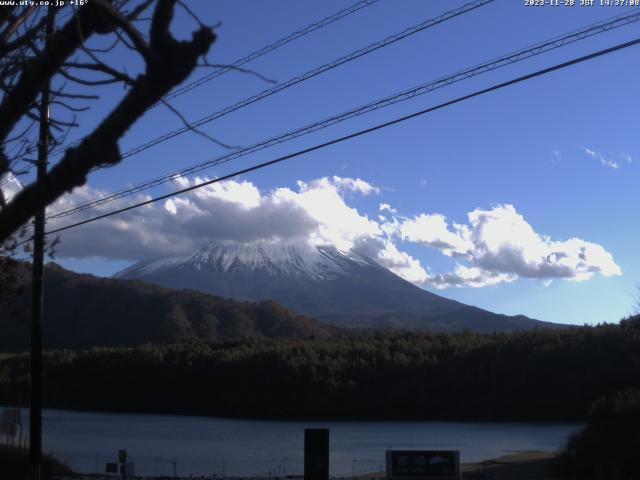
[
  {"x": 77, "y": 66},
  {"x": 537, "y": 375}
]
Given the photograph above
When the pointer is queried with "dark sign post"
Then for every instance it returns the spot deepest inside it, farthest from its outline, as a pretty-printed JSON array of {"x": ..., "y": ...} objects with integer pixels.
[
  {"x": 122, "y": 458},
  {"x": 316, "y": 454},
  {"x": 423, "y": 464}
]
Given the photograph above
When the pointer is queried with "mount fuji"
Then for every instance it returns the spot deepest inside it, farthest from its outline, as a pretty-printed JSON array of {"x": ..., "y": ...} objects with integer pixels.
[{"x": 348, "y": 289}]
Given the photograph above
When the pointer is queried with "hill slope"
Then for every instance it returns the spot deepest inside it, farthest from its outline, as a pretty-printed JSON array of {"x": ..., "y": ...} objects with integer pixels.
[
  {"x": 83, "y": 310},
  {"x": 347, "y": 289}
]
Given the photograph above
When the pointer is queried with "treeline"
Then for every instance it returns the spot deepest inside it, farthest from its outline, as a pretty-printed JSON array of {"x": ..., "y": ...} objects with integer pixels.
[
  {"x": 540, "y": 375},
  {"x": 82, "y": 311},
  {"x": 607, "y": 448},
  {"x": 14, "y": 464}
]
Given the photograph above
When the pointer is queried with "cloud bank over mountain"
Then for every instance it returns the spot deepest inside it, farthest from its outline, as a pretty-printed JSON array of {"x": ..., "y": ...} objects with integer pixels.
[
  {"x": 494, "y": 245},
  {"x": 500, "y": 246}
]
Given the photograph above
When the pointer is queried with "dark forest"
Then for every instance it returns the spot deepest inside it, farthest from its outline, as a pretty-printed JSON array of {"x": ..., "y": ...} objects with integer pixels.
[{"x": 539, "y": 375}]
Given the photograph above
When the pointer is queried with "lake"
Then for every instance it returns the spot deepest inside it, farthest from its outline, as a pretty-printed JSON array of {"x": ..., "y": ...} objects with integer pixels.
[{"x": 228, "y": 447}]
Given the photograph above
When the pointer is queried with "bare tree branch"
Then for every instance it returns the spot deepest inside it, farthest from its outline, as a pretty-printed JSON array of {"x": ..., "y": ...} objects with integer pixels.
[
  {"x": 139, "y": 9},
  {"x": 71, "y": 108},
  {"x": 195, "y": 130},
  {"x": 89, "y": 83},
  {"x": 186, "y": 8},
  {"x": 45, "y": 65},
  {"x": 219, "y": 66},
  {"x": 16, "y": 23},
  {"x": 168, "y": 63},
  {"x": 6, "y": 46},
  {"x": 132, "y": 32},
  {"x": 101, "y": 67}
]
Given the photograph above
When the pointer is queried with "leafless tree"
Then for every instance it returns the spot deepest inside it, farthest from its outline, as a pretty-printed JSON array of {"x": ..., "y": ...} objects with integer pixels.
[{"x": 78, "y": 57}]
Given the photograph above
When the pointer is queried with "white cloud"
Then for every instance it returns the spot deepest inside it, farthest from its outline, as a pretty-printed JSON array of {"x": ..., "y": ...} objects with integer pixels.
[
  {"x": 469, "y": 277},
  {"x": 386, "y": 207},
  {"x": 353, "y": 184},
  {"x": 231, "y": 210},
  {"x": 607, "y": 162},
  {"x": 335, "y": 222},
  {"x": 10, "y": 186},
  {"x": 500, "y": 246},
  {"x": 243, "y": 194},
  {"x": 433, "y": 230},
  {"x": 495, "y": 245},
  {"x": 401, "y": 263}
]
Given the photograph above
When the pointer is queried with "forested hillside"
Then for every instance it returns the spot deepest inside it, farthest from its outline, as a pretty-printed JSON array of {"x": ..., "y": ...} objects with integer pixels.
[
  {"x": 535, "y": 375},
  {"x": 83, "y": 311}
]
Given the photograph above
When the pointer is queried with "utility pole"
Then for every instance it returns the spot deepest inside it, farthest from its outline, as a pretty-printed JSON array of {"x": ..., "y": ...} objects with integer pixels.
[{"x": 35, "y": 410}]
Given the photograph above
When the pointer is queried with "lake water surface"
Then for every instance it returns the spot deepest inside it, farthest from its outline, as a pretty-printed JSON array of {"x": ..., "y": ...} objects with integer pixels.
[{"x": 207, "y": 446}]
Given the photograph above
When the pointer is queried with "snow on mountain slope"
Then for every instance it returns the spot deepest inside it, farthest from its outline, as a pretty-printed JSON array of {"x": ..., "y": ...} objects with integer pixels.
[
  {"x": 344, "y": 288},
  {"x": 274, "y": 259}
]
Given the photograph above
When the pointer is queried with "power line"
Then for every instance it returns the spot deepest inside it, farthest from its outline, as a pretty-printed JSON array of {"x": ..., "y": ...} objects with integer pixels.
[
  {"x": 311, "y": 74},
  {"x": 300, "y": 78},
  {"x": 359, "y": 133},
  {"x": 269, "y": 48},
  {"x": 513, "y": 57},
  {"x": 308, "y": 75},
  {"x": 252, "y": 56}
]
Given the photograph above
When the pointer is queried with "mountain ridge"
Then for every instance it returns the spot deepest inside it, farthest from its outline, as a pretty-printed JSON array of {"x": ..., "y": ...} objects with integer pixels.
[
  {"x": 83, "y": 311},
  {"x": 347, "y": 289}
]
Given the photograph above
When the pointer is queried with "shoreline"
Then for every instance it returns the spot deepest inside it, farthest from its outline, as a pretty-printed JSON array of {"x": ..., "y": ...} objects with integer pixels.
[
  {"x": 526, "y": 465},
  {"x": 338, "y": 419},
  {"x": 529, "y": 465}
]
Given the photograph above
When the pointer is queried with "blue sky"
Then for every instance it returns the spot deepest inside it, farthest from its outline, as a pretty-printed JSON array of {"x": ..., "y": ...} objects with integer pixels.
[{"x": 561, "y": 149}]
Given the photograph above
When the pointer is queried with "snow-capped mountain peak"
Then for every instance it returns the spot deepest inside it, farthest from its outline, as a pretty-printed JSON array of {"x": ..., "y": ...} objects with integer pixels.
[
  {"x": 314, "y": 262},
  {"x": 345, "y": 288}
]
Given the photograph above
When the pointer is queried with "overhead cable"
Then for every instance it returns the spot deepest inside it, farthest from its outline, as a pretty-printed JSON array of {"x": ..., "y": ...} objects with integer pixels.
[
  {"x": 508, "y": 59},
  {"x": 359, "y": 133}
]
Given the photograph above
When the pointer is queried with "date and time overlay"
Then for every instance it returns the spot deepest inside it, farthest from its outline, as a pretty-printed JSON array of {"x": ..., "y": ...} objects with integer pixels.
[
  {"x": 526, "y": 3},
  {"x": 581, "y": 3}
]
